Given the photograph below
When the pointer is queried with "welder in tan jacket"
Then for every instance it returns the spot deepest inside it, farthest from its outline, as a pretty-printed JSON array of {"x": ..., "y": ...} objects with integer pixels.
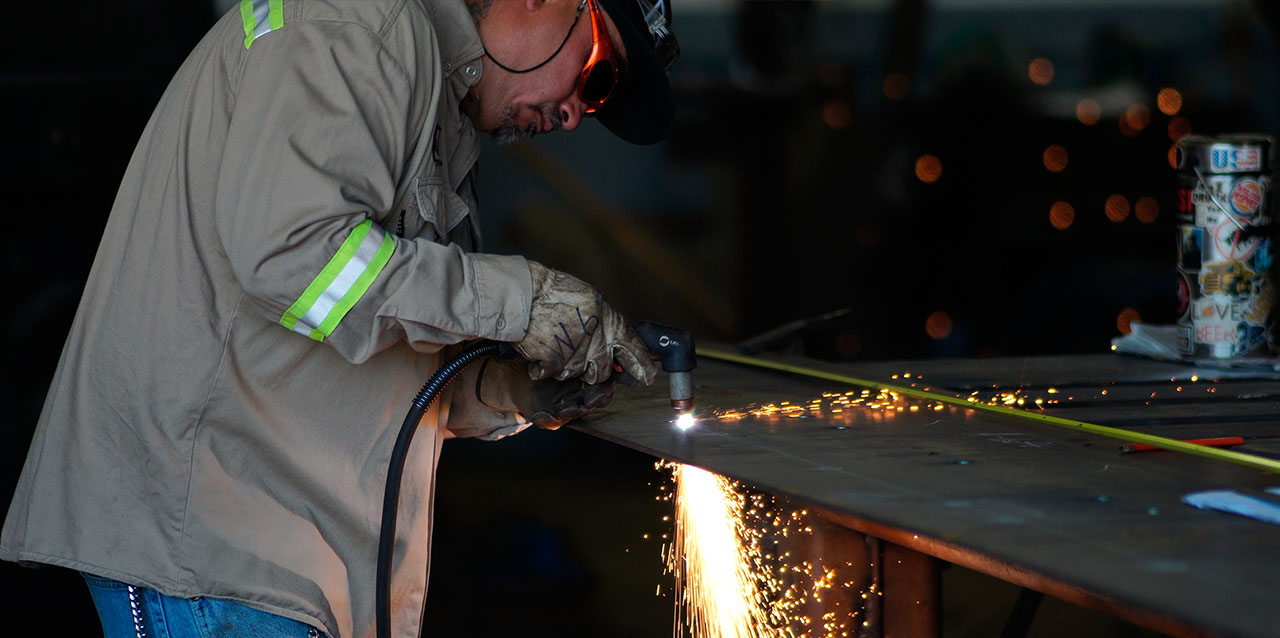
[{"x": 292, "y": 247}]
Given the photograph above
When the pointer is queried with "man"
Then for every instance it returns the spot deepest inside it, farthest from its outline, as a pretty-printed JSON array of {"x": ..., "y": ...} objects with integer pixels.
[{"x": 290, "y": 252}]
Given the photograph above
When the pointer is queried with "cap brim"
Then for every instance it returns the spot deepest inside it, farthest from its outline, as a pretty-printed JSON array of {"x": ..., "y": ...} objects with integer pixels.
[{"x": 641, "y": 111}]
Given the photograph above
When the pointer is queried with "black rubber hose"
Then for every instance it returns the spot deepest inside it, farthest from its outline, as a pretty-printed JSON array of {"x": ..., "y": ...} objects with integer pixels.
[{"x": 395, "y": 471}]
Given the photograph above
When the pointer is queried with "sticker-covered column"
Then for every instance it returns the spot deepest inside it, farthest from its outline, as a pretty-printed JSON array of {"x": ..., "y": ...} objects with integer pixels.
[{"x": 1226, "y": 292}]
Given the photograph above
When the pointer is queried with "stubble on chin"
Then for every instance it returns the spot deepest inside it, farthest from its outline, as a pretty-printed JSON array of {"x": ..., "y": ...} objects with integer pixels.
[
  {"x": 509, "y": 131},
  {"x": 479, "y": 9}
]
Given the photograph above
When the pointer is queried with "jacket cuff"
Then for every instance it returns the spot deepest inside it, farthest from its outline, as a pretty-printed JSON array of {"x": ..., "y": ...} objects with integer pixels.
[{"x": 504, "y": 294}]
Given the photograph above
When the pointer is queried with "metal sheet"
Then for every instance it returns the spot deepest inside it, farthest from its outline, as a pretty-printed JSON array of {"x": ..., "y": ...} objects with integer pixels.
[{"x": 1065, "y": 507}]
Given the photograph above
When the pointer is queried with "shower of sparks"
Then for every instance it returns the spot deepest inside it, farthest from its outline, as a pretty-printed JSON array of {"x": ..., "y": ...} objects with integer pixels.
[
  {"x": 735, "y": 573},
  {"x": 865, "y": 406},
  {"x": 843, "y": 409},
  {"x": 836, "y": 407},
  {"x": 715, "y": 586}
]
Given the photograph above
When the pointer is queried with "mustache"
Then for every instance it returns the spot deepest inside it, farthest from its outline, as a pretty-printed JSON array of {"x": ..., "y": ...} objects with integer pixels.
[{"x": 509, "y": 132}]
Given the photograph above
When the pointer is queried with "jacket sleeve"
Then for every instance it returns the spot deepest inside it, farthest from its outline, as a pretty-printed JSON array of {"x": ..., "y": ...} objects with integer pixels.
[{"x": 324, "y": 124}]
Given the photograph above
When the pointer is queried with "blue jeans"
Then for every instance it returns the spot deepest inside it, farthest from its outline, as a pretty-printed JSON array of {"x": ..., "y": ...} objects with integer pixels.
[{"x": 164, "y": 616}]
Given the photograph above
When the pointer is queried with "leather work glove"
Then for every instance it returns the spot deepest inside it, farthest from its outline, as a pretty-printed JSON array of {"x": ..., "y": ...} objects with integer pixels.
[
  {"x": 574, "y": 332},
  {"x": 548, "y": 403}
]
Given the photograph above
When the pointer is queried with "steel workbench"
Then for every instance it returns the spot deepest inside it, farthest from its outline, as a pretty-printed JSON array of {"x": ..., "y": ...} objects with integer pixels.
[{"x": 1055, "y": 510}]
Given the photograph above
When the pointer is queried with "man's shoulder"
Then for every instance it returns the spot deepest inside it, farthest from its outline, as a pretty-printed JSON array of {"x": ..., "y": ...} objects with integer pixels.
[
  {"x": 405, "y": 30},
  {"x": 378, "y": 16}
]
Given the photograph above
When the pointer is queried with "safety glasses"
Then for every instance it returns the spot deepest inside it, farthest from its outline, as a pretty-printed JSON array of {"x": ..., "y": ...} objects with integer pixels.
[{"x": 601, "y": 74}]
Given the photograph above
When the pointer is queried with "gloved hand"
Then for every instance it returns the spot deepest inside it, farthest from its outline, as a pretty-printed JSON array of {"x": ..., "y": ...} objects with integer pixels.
[
  {"x": 547, "y": 403},
  {"x": 574, "y": 332}
]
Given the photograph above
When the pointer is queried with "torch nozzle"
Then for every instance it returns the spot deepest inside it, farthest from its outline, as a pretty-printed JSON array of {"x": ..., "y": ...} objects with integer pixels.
[
  {"x": 674, "y": 348},
  {"x": 682, "y": 391}
]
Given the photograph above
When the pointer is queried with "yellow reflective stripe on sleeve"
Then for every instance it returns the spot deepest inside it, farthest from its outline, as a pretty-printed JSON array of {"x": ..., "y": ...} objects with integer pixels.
[
  {"x": 260, "y": 17},
  {"x": 341, "y": 283}
]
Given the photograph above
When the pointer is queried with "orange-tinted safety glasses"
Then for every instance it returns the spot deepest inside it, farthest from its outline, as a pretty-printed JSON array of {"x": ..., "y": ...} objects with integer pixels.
[{"x": 602, "y": 73}]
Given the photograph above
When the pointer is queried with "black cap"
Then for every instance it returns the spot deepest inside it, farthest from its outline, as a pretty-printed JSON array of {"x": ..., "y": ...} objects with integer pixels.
[{"x": 641, "y": 110}]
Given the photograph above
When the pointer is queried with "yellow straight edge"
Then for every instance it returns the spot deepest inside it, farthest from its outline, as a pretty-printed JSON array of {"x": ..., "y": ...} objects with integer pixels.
[{"x": 1239, "y": 458}]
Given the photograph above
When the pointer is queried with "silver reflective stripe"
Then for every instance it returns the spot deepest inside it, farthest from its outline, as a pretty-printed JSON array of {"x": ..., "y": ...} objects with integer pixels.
[
  {"x": 341, "y": 283},
  {"x": 260, "y": 11},
  {"x": 260, "y": 17}
]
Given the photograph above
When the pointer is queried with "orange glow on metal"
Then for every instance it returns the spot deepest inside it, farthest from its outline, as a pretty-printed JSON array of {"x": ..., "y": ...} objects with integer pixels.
[
  {"x": 1173, "y": 156},
  {"x": 928, "y": 169},
  {"x": 1147, "y": 209},
  {"x": 1088, "y": 112},
  {"x": 1062, "y": 215},
  {"x": 1055, "y": 158},
  {"x": 1169, "y": 101},
  {"x": 1040, "y": 71},
  {"x": 1117, "y": 208}
]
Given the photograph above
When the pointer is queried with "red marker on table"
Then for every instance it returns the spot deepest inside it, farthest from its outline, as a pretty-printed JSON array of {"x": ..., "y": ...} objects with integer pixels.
[{"x": 1222, "y": 441}]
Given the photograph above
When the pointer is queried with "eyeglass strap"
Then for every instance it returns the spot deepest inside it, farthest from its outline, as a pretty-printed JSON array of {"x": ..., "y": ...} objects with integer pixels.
[{"x": 553, "y": 55}]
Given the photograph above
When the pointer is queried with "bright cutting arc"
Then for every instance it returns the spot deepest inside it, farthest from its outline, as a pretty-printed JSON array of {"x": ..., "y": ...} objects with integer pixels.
[{"x": 1238, "y": 458}]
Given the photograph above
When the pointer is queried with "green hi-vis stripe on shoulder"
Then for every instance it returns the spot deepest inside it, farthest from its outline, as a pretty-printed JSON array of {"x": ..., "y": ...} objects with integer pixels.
[
  {"x": 340, "y": 285},
  {"x": 260, "y": 17}
]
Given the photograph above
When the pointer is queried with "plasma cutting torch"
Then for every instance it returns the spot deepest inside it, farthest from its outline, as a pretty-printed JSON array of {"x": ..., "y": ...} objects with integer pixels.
[{"x": 672, "y": 347}]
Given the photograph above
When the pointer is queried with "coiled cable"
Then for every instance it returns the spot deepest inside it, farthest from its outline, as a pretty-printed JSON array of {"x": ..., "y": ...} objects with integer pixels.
[{"x": 395, "y": 471}]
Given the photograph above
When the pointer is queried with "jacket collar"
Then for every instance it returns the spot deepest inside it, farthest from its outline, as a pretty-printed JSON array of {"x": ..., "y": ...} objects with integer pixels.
[{"x": 460, "y": 45}]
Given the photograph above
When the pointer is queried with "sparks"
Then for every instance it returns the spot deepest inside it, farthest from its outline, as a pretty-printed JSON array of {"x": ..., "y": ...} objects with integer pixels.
[
  {"x": 714, "y": 583},
  {"x": 734, "y": 574}
]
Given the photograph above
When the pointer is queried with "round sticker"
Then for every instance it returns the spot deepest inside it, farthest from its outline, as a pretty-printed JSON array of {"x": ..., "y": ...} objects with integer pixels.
[
  {"x": 1230, "y": 241},
  {"x": 1246, "y": 196}
]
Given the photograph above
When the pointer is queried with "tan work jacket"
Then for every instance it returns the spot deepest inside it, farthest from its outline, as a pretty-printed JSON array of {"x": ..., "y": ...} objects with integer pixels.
[{"x": 285, "y": 259}]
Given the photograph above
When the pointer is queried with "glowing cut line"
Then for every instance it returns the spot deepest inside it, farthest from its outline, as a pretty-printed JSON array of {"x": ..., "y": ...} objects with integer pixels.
[{"x": 1239, "y": 458}]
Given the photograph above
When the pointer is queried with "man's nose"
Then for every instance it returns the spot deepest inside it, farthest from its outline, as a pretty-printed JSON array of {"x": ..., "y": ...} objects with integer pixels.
[{"x": 571, "y": 111}]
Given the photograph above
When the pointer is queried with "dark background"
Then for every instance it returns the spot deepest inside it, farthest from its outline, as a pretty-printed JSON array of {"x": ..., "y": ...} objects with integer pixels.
[{"x": 788, "y": 190}]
